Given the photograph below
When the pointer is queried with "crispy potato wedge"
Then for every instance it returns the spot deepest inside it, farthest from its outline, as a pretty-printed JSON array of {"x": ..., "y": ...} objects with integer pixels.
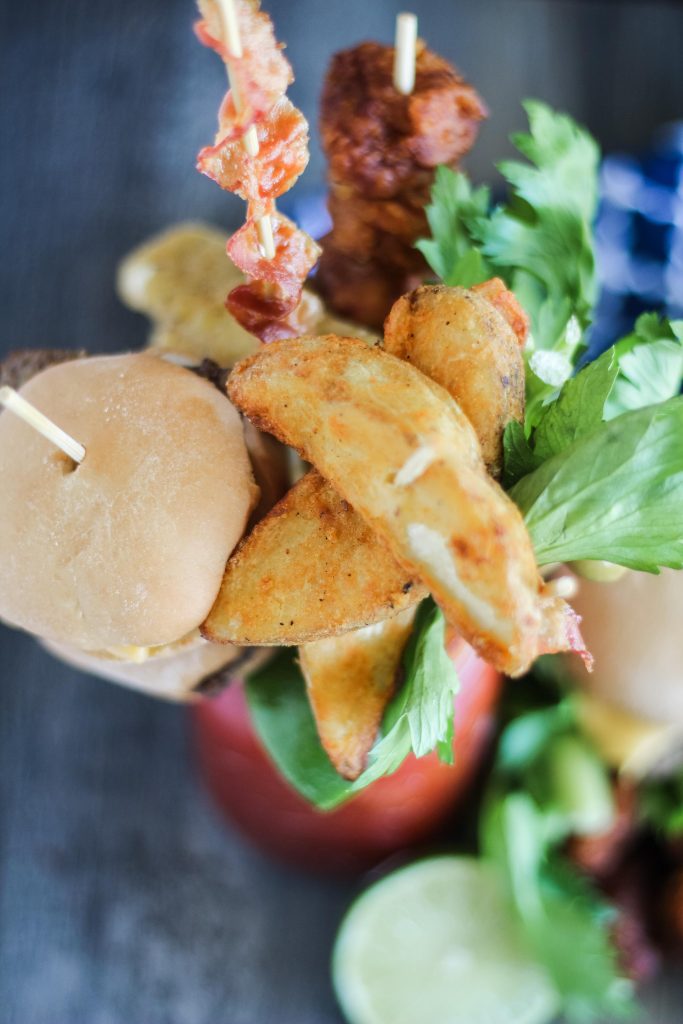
[
  {"x": 180, "y": 278},
  {"x": 402, "y": 452},
  {"x": 462, "y": 341},
  {"x": 350, "y": 679},
  {"x": 311, "y": 569}
]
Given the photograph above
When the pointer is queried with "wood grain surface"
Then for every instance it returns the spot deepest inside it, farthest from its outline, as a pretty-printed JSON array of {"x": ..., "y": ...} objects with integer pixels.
[{"x": 124, "y": 898}]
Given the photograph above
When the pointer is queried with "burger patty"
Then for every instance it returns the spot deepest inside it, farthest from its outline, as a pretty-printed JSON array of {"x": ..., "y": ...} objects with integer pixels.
[{"x": 19, "y": 366}]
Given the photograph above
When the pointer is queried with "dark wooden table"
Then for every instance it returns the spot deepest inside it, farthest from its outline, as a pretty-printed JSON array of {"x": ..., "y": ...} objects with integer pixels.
[{"x": 124, "y": 898}]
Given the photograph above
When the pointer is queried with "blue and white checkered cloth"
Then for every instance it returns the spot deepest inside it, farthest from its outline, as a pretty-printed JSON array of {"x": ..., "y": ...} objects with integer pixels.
[{"x": 639, "y": 237}]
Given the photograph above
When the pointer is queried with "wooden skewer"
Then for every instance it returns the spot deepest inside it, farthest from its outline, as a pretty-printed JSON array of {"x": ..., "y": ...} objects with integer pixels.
[
  {"x": 404, "y": 56},
  {"x": 15, "y": 403},
  {"x": 249, "y": 139}
]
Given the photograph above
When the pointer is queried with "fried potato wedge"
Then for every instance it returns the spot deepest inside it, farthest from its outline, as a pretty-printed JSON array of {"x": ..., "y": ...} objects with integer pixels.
[
  {"x": 462, "y": 341},
  {"x": 311, "y": 568},
  {"x": 350, "y": 679},
  {"x": 180, "y": 279},
  {"x": 405, "y": 456}
]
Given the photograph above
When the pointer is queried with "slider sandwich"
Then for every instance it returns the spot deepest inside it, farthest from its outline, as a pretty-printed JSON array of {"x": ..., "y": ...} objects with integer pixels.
[{"x": 116, "y": 561}]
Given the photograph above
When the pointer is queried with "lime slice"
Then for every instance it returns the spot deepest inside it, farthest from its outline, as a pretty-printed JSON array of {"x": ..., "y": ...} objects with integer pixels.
[{"x": 436, "y": 942}]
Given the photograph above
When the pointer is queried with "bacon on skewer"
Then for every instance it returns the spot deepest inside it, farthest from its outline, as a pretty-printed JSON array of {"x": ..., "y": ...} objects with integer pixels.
[
  {"x": 283, "y": 155},
  {"x": 261, "y": 171},
  {"x": 262, "y": 73},
  {"x": 264, "y": 305}
]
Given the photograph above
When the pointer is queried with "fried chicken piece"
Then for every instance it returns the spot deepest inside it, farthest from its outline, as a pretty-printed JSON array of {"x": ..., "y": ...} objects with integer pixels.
[
  {"x": 364, "y": 292},
  {"x": 400, "y": 450},
  {"x": 460, "y": 339},
  {"x": 362, "y": 226},
  {"x": 382, "y": 148},
  {"x": 382, "y": 142}
]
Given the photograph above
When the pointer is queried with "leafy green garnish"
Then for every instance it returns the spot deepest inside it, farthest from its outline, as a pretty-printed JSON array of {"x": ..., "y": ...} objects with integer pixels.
[
  {"x": 282, "y": 717},
  {"x": 453, "y": 215},
  {"x": 518, "y": 455},
  {"x": 547, "y": 783},
  {"x": 644, "y": 368},
  {"x": 650, "y": 365},
  {"x": 540, "y": 241},
  {"x": 418, "y": 720},
  {"x": 579, "y": 407},
  {"x": 615, "y": 494},
  {"x": 543, "y": 238},
  {"x": 420, "y": 717},
  {"x": 565, "y": 921}
]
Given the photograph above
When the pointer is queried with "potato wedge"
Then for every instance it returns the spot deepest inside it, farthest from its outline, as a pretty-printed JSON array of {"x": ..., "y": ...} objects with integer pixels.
[
  {"x": 350, "y": 679},
  {"x": 462, "y": 341},
  {"x": 403, "y": 453},
  {"x": 311, "y": 569}
]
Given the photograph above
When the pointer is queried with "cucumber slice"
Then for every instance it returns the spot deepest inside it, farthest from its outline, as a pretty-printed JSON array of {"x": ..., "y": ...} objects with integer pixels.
[{"x": 435, "y": 942}]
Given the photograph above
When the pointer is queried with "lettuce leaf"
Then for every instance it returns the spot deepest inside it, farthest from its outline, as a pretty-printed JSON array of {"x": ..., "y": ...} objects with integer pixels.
[
  {"x": 420, "y": 717},
  {"x": 579, "y": 408},
  {"x": 282, "y": 717},
  {"x": 650, "y": 365},
  {"x": 614, "y": 494}
]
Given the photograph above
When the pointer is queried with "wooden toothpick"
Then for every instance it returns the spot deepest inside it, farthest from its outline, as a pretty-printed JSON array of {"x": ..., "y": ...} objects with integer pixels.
[
  {"x": 405, "y": 52},
  {"x": 15, "y": 403},
  {"x": 249, "y": 139}
]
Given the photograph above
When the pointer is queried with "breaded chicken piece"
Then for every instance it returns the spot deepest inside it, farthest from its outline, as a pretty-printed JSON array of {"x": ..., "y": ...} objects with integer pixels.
[
  {"x": 463, "y": 341},
  {"x": 350, "y": 679},
  {"x": 311, "y": 568},
  {"x": 401, "y": 451}
]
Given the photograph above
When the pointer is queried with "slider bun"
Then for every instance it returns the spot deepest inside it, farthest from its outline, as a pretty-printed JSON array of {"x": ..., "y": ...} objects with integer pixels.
[
  {"x": 129, "y": 547},
  {"x": 173, "y": 676},
  {"x": 633, "y": 629}
]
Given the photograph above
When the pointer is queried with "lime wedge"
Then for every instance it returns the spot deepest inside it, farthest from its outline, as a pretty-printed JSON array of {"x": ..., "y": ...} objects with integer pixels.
[{"x": 435, "y": 943}]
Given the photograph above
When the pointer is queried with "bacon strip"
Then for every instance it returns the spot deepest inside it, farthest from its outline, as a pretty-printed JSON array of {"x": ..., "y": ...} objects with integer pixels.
[
  {"x": 282, "y": 157},
  {"x": 262, "y": 73},
  {"x": 266, "y": 304}
]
